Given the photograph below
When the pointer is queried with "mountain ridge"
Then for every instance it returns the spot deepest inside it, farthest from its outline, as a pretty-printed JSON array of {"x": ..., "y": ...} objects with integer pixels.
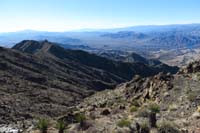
[
  {"x": 43, "y": 79},
  {"x": 90, "y": 59}
]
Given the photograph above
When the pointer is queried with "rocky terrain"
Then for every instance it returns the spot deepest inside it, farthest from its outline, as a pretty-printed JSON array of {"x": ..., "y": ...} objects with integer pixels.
[
  {"x": 45, "y": 87},
  {"x": 125, "y": 109},
  {"x": 42, "y": 79},
  {"x": 172, "y": 98}
]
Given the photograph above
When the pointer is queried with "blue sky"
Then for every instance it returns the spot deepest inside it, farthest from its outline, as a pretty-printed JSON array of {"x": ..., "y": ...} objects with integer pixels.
[{"x": 64, "y": 15}]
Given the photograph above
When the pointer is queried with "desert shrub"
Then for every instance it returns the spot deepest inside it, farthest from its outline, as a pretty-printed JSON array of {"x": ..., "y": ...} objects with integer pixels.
[
  {"x": 124, "y": 123},
  {"x": 103, "y": 104},
  {"x": 173, "y": 107},
  {"x": 82, "y": 120},
  {"x": 80, "y": 117},
  {"x": 42, "y": 125},
  {"x": 92, "y": 115},
  {"x": 84, "y": 124},
  {"x": 191, "y": 96},
  {"x": 198, "y": 75},
  {"x": 135, "y": 103},
  {"x": 143, "y": 112},
  {"x": 61, "y": 126},
  {"x": 167, "y": 127},
  {"x": 133, "y": 109},
  {"x": 144, "y": 127},
  {"x": 109, "y": 103},
  {"x": 154, "y": 108}
]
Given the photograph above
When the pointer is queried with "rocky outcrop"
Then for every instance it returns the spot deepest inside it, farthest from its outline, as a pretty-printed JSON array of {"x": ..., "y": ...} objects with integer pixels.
[
  {"x": 130, "y": 103},
  {"x": 191, "y": 68},
  {"x": 148, "y": 88}
]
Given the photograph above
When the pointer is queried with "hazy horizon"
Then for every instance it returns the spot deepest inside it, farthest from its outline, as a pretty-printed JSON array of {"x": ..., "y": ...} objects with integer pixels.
[
  {"x": 97, "y": 29},
  {"x": 68, "y": 15}
]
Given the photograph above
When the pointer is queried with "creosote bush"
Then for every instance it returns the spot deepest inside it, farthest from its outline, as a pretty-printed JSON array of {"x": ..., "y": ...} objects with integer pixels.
[
  {"x": 154, "y": 108},
  {"x": 167, "y": 127},
  {"x": 124, "y": 123},
  {"x": 144, "y": 128},
  {"x": 198, "y": 75},
  {"x": 173, "y": 107},
  {"x": 133, "y": 109},
  {"x": 42, "y": 125},
  {"x": 84, "y": 124},
  {"x": 191, "y": 96},
  {"x": 135, "y": 103},
  {"x": 143, "y": 112}
]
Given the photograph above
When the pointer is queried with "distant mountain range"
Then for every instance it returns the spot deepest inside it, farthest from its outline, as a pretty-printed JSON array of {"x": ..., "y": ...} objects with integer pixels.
[
  {"x": 134, "y": 58},
  {"x": 145, "y": 28},
  {"x": 138, "y": 37},
  {"x": 148, "y": 41},
  {"x": 128, "y": 57}
]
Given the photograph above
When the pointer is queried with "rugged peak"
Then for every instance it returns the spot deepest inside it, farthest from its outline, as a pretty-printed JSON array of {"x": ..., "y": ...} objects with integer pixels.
[
  {"x": 32, "y": 47},
  {"x": 191, "y": 68}
]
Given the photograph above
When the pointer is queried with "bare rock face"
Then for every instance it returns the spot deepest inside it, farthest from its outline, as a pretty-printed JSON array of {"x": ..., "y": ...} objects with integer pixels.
[
  {"x": 191, "y": 68},
  {"x": 148, "y": 88}
]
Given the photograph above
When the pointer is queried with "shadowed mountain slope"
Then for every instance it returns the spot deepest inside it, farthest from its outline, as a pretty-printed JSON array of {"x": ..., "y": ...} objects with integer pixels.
[
  {"x": 131, "y": 57},
  {"x": 34, "y": 86},
  {"x": 122, "y": 69},
  {"x": 44, "y": 79}
]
